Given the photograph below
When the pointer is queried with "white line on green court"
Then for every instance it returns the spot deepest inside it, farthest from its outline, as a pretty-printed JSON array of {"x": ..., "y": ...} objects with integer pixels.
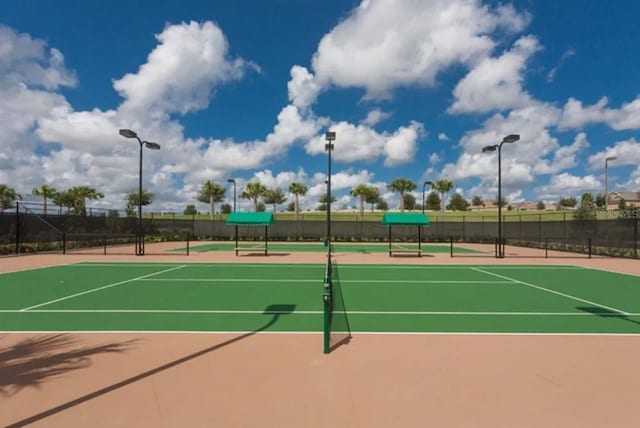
[
  {"x": 100, "y": 288},
  {"x": 395, "y": 282},
  {"x": 263, "y": 312},
  {"x": 548, "y": 290},
  {"x": 319, "y": 264}
]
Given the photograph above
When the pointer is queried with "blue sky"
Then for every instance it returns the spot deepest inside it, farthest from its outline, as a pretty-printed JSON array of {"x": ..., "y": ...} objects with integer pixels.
[{"x": 247, "y": 89}]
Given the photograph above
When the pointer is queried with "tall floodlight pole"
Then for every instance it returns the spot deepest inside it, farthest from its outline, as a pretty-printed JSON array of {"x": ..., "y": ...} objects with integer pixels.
[
  {"x": 430, "y": 183},
  {"x": 606, "y": 183},
  {"x": 512, "y": 138},
  {"x": 330, "y": 137},
  {"x": 233, "y": 181},
  {"x": 127, "y": 133}
]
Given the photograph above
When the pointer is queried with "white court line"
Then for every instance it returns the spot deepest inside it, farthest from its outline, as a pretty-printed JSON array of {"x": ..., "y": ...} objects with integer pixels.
[
  {"x": 262, "y": 312},
  {"x": 353, "y": 332},
  {"x": 548, "y": 290},
  {"x": 100, "y": 288},
  {"x": 395, "y": 282},
  {"x": 340, "y": 265}
]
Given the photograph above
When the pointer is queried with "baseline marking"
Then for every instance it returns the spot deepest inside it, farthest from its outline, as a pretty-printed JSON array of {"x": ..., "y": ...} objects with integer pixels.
[
  {"x": 100, "y": 288},
  {"x": 262, "y": 312},
  {"x": 315, "y": 281},
  {"x": 548, "y": 290}
]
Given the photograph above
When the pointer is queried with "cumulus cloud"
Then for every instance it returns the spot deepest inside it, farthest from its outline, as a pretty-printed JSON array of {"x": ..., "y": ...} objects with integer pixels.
[
  {"x": 627, "y": 152},
  {"x": 180, "y": 74},
  {"x": 566, "y": 185},
  {"x": 404, "y": 42},
  {"x": 565, "y": 56},
  {"x": 563, "y": 158},
  {"x": 576, "y": 116},
  {"x": 443, "y": 137},
  {"x": 375, "y": 116},
  {"x": 496, "y": 83},
  {"x": 303, "y": 87}
]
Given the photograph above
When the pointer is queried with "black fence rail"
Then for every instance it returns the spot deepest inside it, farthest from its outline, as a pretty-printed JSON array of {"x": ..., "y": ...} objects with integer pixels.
[{"x": 23, "y": 230}]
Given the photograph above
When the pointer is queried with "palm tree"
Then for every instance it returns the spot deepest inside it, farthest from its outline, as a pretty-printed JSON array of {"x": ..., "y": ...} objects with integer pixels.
[
  {"x": 7, "y": 197},
  {"x": 253, "y": 191},
  {"x": 402, "y": 185},
  {"x": 297, "y": 189},
  {"x": 210, "y": 193},
  {"x": 373, "y": 197},
  {"x": 362, "y": 191},
  {"x": 443, "y": 186},
  {"x": 132, "y": 201},
  {"x": 80, "y": 194},
  {"x": 46, "y": 191},
  {"x": 274, "y": 197}
]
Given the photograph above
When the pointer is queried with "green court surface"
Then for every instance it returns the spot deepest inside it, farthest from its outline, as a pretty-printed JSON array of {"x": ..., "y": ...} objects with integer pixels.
[
  {"x": 288, "y": 298},
  {"x": 337, "y": 247}
]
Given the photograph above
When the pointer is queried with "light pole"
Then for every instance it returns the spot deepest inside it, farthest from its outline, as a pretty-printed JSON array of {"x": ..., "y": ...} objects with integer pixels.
[
  {"x": 231, "y": 180},
  {"x": 512, "y": 138},
  {"x": 606, "y": 184},
  {"x": 127, "y": 133},
  {"x": 330, "y": 137},
  {"x": 430, "y": 183}
]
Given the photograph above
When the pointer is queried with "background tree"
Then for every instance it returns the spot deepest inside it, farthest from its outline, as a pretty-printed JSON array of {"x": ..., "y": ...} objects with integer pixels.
[
  {"x": 297, "y": 189},
  {"x": 600, "y": 200},
  {"x": 291, "y": 207},
  {"x": 622, "y": 205},
  {"x": 132, "y": 198},
  {"x": 382, "y": 205},
  {"x": 225, "y": 208},
  {"x": 373, "y": 196},
  {"x": 503, "y": 203},
  {"x": 541, "y": 206},
  {"x": 253, "y": 191},
  {"x": 65, "y": 199},
  {"x": 361, "y": 191},
  {"x": 261, "y": 207},
  {"x": 81, "y": 194},
  {"x": 402, "y": 185},
  {"x": 324, "y": 200},
  {"x": 46, "y": 192},
  {"x": 568, "y": 202},
  {"x": 210, "y": 193},
  {"x": 587, "y": 200},
  {"x": 458, "y": 203},
  {"x": 8, "y": 197},
  {"x": 433, "y": 201},
  {"x": 190, "y": 209},
  {"x": 409, "y": 201},
  {"x": 274, "y": 197},
  {"x": 443, "y": 186},
  {"x": 477, "y": 201}
]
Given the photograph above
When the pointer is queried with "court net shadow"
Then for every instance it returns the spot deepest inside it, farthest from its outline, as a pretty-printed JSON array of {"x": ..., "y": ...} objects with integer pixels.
[
  {"x": 340, "y": 328},
  {"x": 604, "y": 312},
  {"x": 275, "y": 310},
  {"x": 30, "y": 362}
]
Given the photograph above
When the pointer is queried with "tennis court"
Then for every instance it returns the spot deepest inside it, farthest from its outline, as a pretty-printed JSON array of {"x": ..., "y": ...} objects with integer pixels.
[{"x": 227, "y": 297}]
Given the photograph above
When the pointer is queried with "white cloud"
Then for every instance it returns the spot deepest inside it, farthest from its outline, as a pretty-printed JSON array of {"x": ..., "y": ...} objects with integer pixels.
[
  {"x": 627, "y": 153},
  {"x": 564, "y": 157},
  {"x": 361, "y": 143},
  {"x": 443, "y": 137},
  {"x": 303, "y": 88},
  {"x": 182, "y": 71},
  {"x": 565, "y": 56},
  {"x": 567, "y": 185},
  {"x": 375, "y": 116},
  {"x": 496, "y": 83},
  {"x": 576, "y": 116},
  {"x": 404, "y": 42},
  {"x": 434, "y": 159}
]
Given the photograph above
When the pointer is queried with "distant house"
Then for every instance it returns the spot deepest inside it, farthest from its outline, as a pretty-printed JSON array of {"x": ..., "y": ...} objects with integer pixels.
[
  {"x": 486, "y": 206},
  {"x": 631, "y": 199}
]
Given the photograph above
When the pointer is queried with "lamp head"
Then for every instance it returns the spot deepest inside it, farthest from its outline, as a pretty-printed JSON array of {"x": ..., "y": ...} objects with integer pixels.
[
  {"x": 231, "y": 180},
  {"x": 512, "y": 138},
  {"x": 151, "y": 146},
  {"x": 430, "y": 183},
  {"x": 488, "y": 149},
  {"x": 610, "y": 158},
  {"x": 330, "y": 136},
  {"x": 127, "y": 133}
]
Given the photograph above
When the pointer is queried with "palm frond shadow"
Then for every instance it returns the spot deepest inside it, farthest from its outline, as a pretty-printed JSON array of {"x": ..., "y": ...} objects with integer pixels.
[{"x": 31, "y": 362}]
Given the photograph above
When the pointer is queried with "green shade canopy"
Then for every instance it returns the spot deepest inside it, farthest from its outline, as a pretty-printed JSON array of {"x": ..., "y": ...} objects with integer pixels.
[
  {"x": 405, "y": 219},
  {"x": 251, "y": 219}
]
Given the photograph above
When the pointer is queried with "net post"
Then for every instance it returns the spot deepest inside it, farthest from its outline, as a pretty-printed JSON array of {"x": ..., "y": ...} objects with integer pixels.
[
  {"x": 451, "y": 246},
  {"x": 326, "y": 304},
  {"x": 187, "y": 245}
]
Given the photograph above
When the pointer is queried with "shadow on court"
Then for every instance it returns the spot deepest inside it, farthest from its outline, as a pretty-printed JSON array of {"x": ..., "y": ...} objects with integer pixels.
[
  {"x": 340, "y": 328},
  {"x": 604, "y": 312},
  {"x": 275, "y": 310},
  {"x": 30, "y": 362}
]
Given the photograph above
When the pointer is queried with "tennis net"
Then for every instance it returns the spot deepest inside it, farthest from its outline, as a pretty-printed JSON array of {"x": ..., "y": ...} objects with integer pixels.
[{"x": 336, "y": 322}]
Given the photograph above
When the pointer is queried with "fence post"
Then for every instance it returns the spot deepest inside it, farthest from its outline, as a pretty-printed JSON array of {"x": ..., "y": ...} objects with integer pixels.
[
  {"x": 635, "y": 238},
  {"x": 451, "y": 245},
  {"x": 17, "y": 227},
  {"x": 64, "y": 242},
  {"x": 589, "y": 247},
  {"x": 546, "y": 248}
]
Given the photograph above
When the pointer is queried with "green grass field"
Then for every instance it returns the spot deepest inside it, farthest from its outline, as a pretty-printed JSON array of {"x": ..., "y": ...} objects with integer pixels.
[{"x": 287, "y": 298}]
